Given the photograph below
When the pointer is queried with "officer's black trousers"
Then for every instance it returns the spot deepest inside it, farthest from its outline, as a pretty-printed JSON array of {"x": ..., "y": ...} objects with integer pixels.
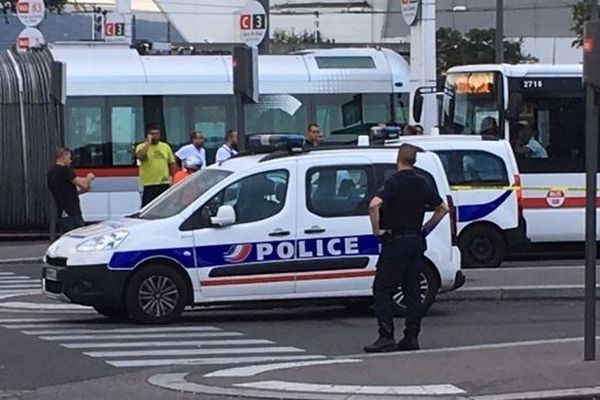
[{"x": 400, "y": 263}]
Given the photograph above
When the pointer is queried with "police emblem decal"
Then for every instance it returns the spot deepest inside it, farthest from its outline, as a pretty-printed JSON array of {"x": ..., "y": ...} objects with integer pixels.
[{"x": 238, "y": 253}]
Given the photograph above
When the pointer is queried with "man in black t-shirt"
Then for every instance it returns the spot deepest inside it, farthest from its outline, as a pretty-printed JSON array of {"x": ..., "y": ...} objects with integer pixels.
[
  {"x": 397, "y": 213},
  {"x": 66, "y": 187}
]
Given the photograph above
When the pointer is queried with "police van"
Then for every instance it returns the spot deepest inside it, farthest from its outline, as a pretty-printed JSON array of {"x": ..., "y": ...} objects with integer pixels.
[
  {"x": 486, "y": 187},
  {"x": 279, "y": 226}
]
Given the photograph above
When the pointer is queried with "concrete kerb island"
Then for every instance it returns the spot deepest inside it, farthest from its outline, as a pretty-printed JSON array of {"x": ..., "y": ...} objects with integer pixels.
[{"x": 546, "y": 369}]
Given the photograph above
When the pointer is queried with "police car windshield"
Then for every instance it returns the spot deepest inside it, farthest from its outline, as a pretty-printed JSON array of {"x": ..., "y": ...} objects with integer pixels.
[{"x": 180, "y": 196}]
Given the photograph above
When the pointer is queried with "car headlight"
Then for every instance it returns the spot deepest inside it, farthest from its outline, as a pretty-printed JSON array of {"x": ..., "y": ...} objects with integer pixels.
[{"x": 105, "y": 242}]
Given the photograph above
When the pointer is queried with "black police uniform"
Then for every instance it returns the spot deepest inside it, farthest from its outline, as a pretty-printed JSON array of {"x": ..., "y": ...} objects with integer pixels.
[{"x": 405, "y": 197}]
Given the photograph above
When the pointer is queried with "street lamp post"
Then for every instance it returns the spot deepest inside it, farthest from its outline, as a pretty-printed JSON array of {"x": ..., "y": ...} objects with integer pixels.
[{"x": 499, "y": 31}]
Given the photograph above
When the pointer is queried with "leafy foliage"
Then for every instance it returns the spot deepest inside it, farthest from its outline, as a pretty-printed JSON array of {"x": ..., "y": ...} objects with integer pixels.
[
  {"x": 581, "y": 13},
  {"x": 475, "y": 47},
  {"x": 305, "y": 37}
]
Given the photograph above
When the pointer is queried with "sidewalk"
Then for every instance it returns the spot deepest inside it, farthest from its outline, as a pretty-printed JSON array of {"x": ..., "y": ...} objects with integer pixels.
[
  {"x": 15, "y": 252},
  {"x": 524, "y": 370}
]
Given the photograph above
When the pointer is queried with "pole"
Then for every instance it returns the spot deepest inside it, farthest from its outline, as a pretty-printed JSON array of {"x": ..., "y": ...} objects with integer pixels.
[
  {"x": 241, "y": 121},
  {"x": 265, "y": 46},
  {"x": 591, "y": 168},
  {"x": 499, "y": 31}
]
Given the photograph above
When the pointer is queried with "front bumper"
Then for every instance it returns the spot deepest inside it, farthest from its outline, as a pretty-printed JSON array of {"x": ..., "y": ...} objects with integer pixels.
[
  {"x": 89, "y": 285},
  {"x": 516, "y": 238}
]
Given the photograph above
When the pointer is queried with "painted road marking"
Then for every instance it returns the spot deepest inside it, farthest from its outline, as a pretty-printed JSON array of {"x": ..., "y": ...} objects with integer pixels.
[
  {"x": 253, "y": 370},
  {"x": 141, "y": 336},
  {"x": 286, "y": 386},
  {"x": 44, "y": 306},
  {"x": 108, "y": 331},
  {"x": 198, "y": 343},
  {"x": 195, "y": 352},
  {"x": 208, "y": 361}
]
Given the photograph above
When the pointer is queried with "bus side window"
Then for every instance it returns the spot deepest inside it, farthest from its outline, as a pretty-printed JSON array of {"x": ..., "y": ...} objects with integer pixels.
[{"x": 550, "y": 137}]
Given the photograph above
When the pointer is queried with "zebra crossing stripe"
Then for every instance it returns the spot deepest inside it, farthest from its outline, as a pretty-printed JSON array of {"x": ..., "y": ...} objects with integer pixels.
[
  {"x": 22, "y": 320},
  {"x": 188, "y": 335},
  {"x": 21, "y": 286},
  {"x": 10, "y": 279},
  {"x": 195, "y": 352},
  {"x": 198, "y": 343},
  {"x": 122, "y": 330},
  {"x": 6, "y": 273},
  {"x": 208, "y": 361}
]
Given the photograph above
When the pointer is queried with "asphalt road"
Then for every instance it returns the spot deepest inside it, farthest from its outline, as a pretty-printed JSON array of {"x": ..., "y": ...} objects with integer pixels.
[{"x": 70, "y": 353}]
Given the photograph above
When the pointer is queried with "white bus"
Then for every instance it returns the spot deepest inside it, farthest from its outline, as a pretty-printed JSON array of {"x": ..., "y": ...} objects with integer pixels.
[
  {"x": 113, "y": 93},
  {"x": 540, "y": 109}
]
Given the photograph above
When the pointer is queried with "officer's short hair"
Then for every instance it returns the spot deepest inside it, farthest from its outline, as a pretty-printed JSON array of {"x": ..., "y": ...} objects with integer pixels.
[{"x": 407, "y": 154}]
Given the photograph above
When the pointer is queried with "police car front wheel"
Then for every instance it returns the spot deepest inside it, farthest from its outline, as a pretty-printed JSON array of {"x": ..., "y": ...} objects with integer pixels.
[{"x": 156, "y": 294}]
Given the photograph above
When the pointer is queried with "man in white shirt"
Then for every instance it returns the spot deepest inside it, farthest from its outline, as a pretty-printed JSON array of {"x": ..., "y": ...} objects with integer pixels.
[
  {"x": 228, "y": 149},
  {"x": 194, "y": 150}
]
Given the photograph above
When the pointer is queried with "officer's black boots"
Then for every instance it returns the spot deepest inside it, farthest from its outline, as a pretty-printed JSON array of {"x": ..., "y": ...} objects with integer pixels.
[
  {"x": 382, "y": 345},
  {"x": 408, "y": 343}
]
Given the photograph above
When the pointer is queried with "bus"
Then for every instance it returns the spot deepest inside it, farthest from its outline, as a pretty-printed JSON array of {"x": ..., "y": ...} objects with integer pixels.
[
  {"x": 540, "y": 110},
  {"x": 113, "y": 92}
]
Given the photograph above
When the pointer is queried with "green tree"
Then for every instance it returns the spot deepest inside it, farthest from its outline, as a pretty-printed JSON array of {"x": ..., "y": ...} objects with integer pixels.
[
  {"x": 304, "y": 37},
  {"x": 581, "y": 13},
  {"x": 474, "y": 47}
]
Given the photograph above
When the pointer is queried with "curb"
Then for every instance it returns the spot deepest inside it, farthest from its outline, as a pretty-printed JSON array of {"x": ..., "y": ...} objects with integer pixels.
[
  {"x": 499, "y": 293},
  {"x": 22, "y": 260}
]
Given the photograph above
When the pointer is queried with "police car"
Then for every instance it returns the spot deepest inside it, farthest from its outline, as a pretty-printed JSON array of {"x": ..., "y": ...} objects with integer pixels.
[
  {"x": 281, "y": 226},
  {"x": 486, "y": 187}
]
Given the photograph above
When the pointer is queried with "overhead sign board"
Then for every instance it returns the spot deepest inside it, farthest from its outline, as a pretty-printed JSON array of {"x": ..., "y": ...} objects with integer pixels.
[
  {"x": 31, "y": 12},
  {"x": 114, "y": 27},
  {"x": 252, "y": 23},
  {"x": 29, "y": 38},
  {"x": 410, "y": 10}
]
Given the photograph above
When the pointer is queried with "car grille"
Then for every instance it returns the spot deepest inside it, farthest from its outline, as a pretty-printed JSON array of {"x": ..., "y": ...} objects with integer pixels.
[
  {"x": 57, "y": 261},
  {"x": 53, "y": 287}
]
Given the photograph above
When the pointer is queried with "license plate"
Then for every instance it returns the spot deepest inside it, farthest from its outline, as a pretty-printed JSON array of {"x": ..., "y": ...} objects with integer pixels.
[{"x": 51, "y": 274}]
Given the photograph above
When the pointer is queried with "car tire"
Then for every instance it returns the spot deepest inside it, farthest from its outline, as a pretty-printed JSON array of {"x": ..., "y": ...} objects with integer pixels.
[
  {"x": 482, "y": 246},
  {"x": 156, "y": 294},
  {"x": 430, "y": 285},
  {"x": 112, "y": 312}
]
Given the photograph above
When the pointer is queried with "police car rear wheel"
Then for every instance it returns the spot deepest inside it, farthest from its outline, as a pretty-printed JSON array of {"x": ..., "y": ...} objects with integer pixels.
[
  {"x": 156, "y": 295},
  {"x": 482, "y": 246},
  {"x": 428, "y": 286}
]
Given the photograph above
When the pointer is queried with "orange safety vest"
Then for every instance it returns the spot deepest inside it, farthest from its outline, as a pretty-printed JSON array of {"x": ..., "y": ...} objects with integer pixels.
[{"x": 180, "y": 175}]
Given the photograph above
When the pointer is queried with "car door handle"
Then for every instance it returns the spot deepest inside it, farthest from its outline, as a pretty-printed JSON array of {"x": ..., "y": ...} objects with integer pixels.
[
  {"x": 314, "y": 230},
  {"x": 279, "y": 232}
]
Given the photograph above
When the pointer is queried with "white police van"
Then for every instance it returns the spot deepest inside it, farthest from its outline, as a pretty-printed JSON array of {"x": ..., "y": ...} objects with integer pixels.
[
  {"x": 283, "y": 226},
  {"x": 486, "y": 187}
]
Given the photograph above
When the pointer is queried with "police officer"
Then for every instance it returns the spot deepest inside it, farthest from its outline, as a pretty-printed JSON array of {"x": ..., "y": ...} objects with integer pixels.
[{"x": 397, "y": 213}]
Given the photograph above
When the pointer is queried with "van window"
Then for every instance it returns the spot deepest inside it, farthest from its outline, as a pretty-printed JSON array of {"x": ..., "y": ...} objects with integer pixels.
[
  {"x": 254, "y": 198},
  {"x": 473, "y": 167},
  {"x": 182, "y": 195},
  {"x": 339, "y": 191}
]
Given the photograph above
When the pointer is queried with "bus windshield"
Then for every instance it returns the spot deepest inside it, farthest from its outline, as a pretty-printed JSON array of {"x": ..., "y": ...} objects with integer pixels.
[
  {"x": 472, "y": 104},
  {"x": 182, "y": 195}
]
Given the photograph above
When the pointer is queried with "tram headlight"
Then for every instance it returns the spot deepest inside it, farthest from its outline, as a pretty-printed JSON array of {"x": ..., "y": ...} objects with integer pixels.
[{"x": 105, "y": 242}]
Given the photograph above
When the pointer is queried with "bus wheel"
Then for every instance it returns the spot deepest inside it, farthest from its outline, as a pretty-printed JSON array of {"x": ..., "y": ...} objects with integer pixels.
[
  {"x": 429, "y": 285},
  {"x": 112, "y": 312},
  {"x": 482, "y": 246},
  {"x": 156, "y": 294}
]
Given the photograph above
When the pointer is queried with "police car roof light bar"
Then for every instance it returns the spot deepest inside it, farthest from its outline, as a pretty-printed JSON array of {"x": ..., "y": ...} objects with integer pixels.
[{"x": 270, "y": 142}]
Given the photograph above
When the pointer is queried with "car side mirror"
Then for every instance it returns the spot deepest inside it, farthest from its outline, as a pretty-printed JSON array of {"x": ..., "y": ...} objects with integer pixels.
[
  {"x": 417, "y": 107},
  {"x": 514, "y": 107},
  {"x": 225, "y": 216}
]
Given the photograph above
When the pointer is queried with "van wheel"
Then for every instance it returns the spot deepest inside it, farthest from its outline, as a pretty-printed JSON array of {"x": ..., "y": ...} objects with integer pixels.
[
  {"x": 482, "y": 246},
  {"x": 429, "y": 285},
  {"x": 156, "y": 294},
  {"x": 112, "y": 312}
]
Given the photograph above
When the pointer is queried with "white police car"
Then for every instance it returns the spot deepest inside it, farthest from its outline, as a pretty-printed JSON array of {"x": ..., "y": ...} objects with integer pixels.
[
  {"x": 284, "y": 226},
  {"x": 486, "y": 186}
]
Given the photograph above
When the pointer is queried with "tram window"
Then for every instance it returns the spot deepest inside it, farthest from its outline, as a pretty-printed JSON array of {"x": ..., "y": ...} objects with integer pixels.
[
  {"x": 277, "y": 113},
  {"x": 346, "y": 114},
  {"x": 126, "y": 128},
  {"x": 84, "y": 127},
  {"x": 211, "y": 120},
  {"x": 550, "y": 136},
  {"x": 401, "y": 108}
]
